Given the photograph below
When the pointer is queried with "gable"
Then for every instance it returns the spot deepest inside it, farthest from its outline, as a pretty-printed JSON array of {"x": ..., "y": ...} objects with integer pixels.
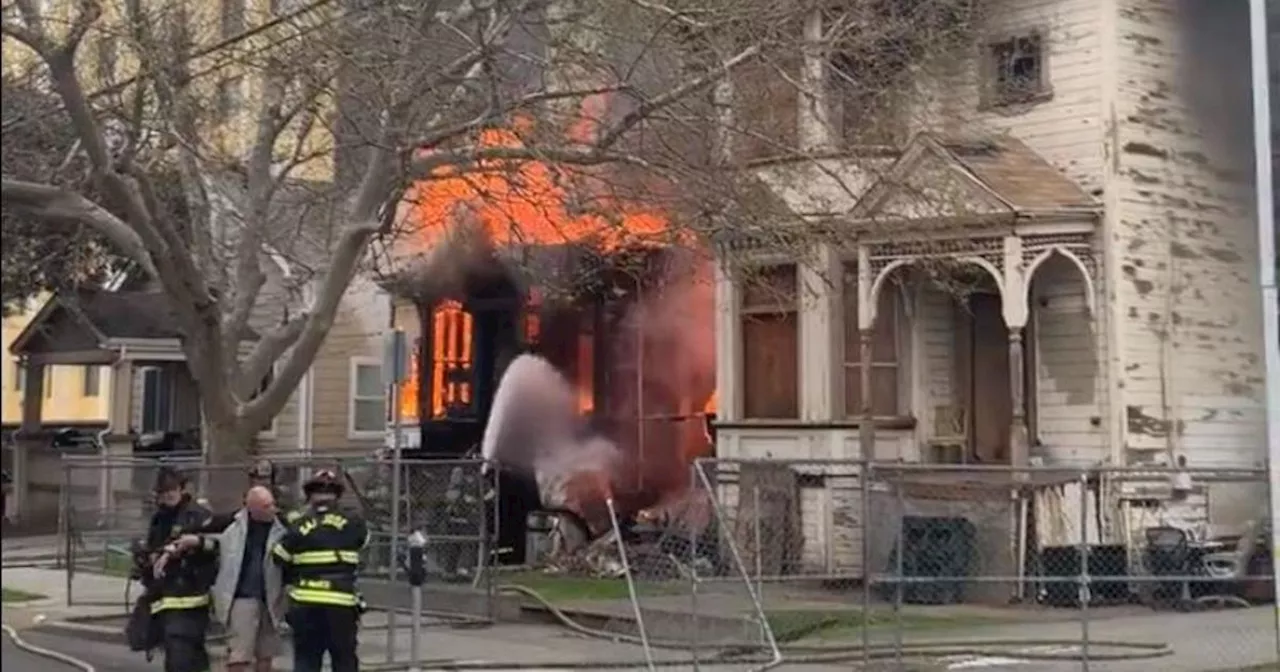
[
  {"x": 60, "y": 330},
  {"x": 931, "y": 187},
  {"x": 939, "y": 178}
]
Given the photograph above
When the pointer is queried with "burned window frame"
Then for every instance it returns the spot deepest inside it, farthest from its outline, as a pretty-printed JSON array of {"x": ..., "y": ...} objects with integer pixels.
[{"x": 997, "y": 93}]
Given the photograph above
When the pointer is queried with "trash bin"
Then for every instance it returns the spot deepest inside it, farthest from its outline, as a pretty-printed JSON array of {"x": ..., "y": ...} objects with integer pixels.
[{"x": 934, "y": 547}]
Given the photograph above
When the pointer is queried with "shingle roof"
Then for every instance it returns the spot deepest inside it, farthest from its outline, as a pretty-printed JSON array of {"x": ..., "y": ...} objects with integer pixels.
[
  {"x": 1015, "y": 173},
  {"x": 129, "y": 314},
  {"x": 991, "y": 173}
]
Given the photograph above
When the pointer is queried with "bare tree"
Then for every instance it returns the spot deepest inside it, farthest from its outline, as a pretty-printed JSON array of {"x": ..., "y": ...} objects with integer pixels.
[{"x": 294, "y": 133}]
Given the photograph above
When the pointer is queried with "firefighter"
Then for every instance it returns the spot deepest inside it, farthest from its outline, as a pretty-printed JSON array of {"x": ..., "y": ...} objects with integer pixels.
[
  {"x": 320, "y": 554},
  {"x": 183, "y": 569}
]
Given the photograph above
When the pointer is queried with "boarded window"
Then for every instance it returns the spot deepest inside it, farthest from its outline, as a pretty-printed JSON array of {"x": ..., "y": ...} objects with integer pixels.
[
  {"x": 766, "y": 105},
  {"x": 886, "y": 355},
  {"x": 770, "y": 344}
]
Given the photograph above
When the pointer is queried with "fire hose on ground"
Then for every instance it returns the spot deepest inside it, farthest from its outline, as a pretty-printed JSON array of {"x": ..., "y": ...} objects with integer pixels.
[{"x": 794, "y": 653}]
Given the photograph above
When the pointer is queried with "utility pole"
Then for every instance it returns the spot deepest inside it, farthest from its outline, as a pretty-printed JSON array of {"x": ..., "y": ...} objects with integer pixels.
[{"x": 1262, "y": 123}]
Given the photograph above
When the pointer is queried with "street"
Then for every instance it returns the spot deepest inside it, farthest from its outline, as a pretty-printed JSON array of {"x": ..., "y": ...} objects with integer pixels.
[{"x": 18, "y": 660}]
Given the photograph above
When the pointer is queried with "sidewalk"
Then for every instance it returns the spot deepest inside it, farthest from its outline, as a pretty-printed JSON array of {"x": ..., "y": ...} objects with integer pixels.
[{"x": 442, "y": 642}]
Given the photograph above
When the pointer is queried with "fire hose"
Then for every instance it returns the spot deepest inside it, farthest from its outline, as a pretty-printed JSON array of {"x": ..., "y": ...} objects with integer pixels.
[{"x": 794, "y": 653}]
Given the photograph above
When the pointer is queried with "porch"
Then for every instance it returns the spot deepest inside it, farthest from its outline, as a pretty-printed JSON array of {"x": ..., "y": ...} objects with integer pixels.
[
  {"x": 127, "y": 341},
  {"x": 968, "y": 335},
  {"x": 949, "y": 317}
]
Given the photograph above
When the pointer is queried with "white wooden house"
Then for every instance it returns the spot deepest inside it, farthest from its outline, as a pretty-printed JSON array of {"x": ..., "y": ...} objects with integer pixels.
[{"x": 1087, "y": 178}]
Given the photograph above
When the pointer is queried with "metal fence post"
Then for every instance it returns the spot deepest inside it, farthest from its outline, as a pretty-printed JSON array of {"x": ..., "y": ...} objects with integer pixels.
[
  {"x": 898, "y": 571},
  {"x": 1083, "y": 578},
  {"x": 696, "y": 635},
  {"x": 758, "y": 536},
  {"x": 69, "y": 548},
  {"x": 631, "y": 584},
  {"x": 867, "y": 569}
]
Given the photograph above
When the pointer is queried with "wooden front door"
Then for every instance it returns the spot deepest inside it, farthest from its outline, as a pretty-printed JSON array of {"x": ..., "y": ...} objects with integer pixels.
[{"x": 991, "y": 406}]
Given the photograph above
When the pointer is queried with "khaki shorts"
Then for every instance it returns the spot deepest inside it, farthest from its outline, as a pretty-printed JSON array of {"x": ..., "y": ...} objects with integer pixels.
[{"x": 251, "y": 634}]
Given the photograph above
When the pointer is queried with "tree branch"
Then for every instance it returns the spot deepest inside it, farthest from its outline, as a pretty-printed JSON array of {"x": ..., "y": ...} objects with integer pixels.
[
  {"x": 90, "y": 12},
  {"x": 60, "y": 204},
  {"x": 653, "y": 105}
]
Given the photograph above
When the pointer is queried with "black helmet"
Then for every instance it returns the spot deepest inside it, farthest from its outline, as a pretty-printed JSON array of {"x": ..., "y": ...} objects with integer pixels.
[
  {"x": 263, "y": 470},
  {"x": 169, "y": 479},
  {"x": 324, "y": 480}
]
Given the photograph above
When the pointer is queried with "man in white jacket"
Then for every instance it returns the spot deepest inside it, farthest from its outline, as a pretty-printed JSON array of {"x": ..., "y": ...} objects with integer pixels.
[{"x": 248, "y": 596}]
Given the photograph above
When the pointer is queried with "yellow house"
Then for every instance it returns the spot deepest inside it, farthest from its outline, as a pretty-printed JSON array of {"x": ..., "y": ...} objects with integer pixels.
[{"x": 73, "y": 395}]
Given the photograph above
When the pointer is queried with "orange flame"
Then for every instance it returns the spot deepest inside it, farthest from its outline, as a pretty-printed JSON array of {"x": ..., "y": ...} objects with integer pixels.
[{"x": 526, "y": 202}]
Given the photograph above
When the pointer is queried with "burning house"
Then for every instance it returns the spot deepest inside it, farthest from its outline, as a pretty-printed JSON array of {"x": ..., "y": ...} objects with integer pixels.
[{"x": 511, "y": 261}]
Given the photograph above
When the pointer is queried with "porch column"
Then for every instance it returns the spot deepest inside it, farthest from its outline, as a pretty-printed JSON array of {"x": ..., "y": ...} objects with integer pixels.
[
  {"x": 1014, "y": 305},
  {"x": 866, "y": 326},
  {"x": 728, "y": 345},
  {"x": 29, "y": 437},
  {"x": 820, "y": 287}
]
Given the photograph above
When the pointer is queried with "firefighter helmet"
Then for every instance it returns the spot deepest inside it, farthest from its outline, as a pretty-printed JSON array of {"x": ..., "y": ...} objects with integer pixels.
[
  {"x": 324, "y": 480},
  {"x": 169, "y": 479}
]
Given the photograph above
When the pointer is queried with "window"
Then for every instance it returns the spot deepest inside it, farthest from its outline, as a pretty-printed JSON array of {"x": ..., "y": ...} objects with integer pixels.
[
  {"x": 886, "y": 356},
  {"x": 863, "y": 99},
  {"x": 92, "y": 375},
  {"x": 767, "y": 116},
  {"x": 233, "y": 12},
  {"x": 157, "y": 400},
  {"x": 48, "y": 382},
  {"x": 230, "y": 99},
  {"x": 1017, "y": 71},
  {"x": 368, "y": 411},
  {"x": 770, "y": 343}
]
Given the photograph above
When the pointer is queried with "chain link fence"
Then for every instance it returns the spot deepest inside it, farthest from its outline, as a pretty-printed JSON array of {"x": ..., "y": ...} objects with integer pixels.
[
  {"x": 765, "y": 563},
  {"x": 971, "y": 566}
]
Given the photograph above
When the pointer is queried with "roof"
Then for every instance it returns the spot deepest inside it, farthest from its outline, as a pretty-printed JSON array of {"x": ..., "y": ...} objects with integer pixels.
[
  {"x": 129, "y": 314},
  {"x": 1018, "y": 175},
  {"x": 107, "y": 315},
  {"x": 984, "y": 175}
]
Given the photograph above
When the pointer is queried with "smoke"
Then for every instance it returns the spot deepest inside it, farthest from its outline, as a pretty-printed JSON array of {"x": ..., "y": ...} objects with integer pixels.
[
  {"x": 670, "y": 334},
  {"x": 534, "y": 431}
]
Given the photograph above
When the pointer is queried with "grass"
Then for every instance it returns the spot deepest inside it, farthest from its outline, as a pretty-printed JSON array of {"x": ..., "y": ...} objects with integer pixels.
[
  {"x": 559, "y": 588},
  {"x": 12, "y": 596},
  {"x": 795, "y": 624}
]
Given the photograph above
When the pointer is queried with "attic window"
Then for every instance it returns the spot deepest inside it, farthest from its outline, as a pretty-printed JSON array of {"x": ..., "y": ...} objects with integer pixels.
[{"x": 1017, "y": 71}]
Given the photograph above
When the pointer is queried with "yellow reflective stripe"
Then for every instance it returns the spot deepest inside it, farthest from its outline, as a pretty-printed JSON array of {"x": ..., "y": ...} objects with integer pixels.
[
  {"x": 174, "y": 603},
  {"x": 329, "y": 597},
  {"x": 325, "y": 557},
  {"x": 279, "y": 552}
]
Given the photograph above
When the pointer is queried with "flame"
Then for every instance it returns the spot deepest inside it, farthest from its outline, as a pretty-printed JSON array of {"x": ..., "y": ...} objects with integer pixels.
[
  {"x": 526, "y": 202},
  {"x": 710, "y": 407},
  {"x": 451, "y": 349},
  {"x": 530, "y": 202}
]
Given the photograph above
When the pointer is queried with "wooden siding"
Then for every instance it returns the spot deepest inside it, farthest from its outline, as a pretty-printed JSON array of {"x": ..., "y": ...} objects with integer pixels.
[
  {"x": 1069, "y": 358},
  {"x": 1064, "y": 128},
  {"x": 1188, "y": 296},
  {"x": 357, "y": 332}
]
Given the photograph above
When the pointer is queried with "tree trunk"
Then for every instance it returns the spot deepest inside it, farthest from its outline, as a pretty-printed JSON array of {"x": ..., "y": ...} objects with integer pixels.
[{"x": 229, "y": 449}]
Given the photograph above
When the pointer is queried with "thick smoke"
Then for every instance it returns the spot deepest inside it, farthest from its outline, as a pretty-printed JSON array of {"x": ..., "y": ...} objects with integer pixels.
[{"x": 534, "y": 431}]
